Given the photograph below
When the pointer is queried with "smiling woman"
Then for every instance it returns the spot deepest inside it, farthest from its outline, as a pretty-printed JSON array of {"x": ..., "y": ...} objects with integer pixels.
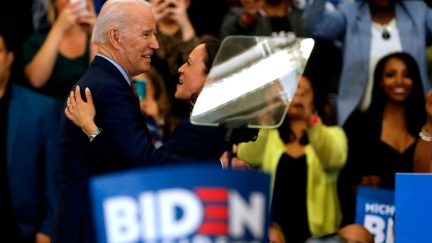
[
  {"x": 201, "y": 143},
  {"x": 382, "y": 19},
  {"x": 382, "y": 140},
  {"x": 192, "y": 75},
  {"x": 396, "y": 81}
]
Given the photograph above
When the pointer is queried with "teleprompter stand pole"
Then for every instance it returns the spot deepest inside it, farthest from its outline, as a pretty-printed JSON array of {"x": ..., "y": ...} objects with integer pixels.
[{"x": 235, "y": 134}]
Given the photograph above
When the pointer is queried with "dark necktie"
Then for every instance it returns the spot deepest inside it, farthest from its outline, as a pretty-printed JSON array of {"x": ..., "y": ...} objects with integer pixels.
[{"x": 134, "y": 90}]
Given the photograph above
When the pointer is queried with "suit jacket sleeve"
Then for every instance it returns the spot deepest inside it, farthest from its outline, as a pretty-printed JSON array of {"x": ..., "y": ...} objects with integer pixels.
[
  {"x": 118, "y": 113},
  {"x": 322, "y": 23}
]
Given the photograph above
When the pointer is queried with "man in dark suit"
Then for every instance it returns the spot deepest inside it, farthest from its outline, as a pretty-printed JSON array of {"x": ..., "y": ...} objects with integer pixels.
[
  {"x": 29, "y": 154},
  {"x": 125, "y": 34}
]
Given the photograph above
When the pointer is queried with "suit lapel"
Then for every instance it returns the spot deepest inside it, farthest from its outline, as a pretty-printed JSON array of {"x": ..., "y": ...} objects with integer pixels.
[{"x": 363, "y": 23}]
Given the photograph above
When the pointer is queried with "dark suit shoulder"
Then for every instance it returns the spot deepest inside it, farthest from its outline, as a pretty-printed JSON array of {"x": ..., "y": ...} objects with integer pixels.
[
  {"x": 103, "y": 77},
  {"x": 107, "y": 70}
]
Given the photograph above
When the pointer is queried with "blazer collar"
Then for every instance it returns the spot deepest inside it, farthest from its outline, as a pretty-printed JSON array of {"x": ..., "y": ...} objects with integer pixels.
[{"x": 103, "y": 63}]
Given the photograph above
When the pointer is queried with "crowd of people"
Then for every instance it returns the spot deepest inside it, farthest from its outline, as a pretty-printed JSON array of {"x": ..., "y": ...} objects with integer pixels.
[{"x": 110, "y": 85}]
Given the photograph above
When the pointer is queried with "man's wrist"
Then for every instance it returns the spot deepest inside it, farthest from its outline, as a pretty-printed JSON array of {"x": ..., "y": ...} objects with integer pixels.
[{"x": 89, "y": 129}]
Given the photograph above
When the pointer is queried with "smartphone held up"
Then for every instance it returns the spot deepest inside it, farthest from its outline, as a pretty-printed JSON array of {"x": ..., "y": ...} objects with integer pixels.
[{"x": 83, "y": 4}]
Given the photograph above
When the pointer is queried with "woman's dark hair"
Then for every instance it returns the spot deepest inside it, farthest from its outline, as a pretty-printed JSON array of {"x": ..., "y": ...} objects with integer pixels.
[
  {"x": 211, "y": 47},
  {"x": 415, "y": 111}
]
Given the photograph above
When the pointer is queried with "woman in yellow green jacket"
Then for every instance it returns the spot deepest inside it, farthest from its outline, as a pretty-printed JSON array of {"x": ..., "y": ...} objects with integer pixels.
[{"x": 304, "y": 157}]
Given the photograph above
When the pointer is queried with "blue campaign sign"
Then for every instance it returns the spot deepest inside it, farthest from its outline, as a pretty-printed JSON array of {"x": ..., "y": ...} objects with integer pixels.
[
  {"x": 375, "y": 210},
  {"x": 181, "y": 204},
  {"x": 414, "y": 203}
]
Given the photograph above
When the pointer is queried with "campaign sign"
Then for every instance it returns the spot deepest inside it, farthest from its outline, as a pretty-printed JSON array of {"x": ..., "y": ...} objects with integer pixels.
[
  {"x": 181, "y": 204},
  {"x": 414, "y": 203},
  {"x": 375, "y": 210}
]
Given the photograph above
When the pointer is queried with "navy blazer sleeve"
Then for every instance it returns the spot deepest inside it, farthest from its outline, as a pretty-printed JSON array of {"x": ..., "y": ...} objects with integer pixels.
[{"x": 118, "y": 113}]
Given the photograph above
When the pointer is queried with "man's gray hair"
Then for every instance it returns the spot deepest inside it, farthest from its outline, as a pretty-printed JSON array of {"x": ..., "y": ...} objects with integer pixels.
[{"x": 113, "y": 13}]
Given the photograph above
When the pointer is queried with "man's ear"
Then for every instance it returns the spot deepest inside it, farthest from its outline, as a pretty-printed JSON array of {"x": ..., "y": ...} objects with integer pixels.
[{"x": 114, "y": 38}]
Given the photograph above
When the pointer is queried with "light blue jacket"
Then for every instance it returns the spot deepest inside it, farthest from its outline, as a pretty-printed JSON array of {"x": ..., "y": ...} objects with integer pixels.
[{"x": 351, "y": 24}]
